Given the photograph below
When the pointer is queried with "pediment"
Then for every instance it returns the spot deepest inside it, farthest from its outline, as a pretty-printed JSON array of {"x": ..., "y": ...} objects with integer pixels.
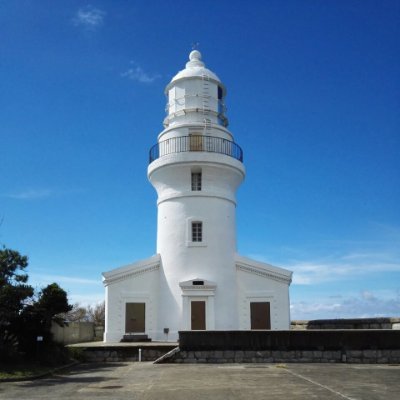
[
  {"x": 197, "y": 284},
  {"x": 265, "y": 270},
  {"x": 131, "y": 270}
]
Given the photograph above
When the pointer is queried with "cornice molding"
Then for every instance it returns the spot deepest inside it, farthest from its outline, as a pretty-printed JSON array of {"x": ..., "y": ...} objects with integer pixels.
[
  {"x": 203, "y": 193},
  {"x": 197, "y": 288},
  {"x": 118, "y": 277},
  {"x": 263, "y": 272}
]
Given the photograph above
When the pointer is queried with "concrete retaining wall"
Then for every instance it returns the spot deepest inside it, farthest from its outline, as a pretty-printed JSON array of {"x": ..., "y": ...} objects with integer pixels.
[
  {"x": 286, "y": 356},
  {"x": 290, "y": 340},
  {"x": 315, "y": 346},
  {"x": 76, "y": 332},
  {"x": 319, "y": 346},
  {"x": 107, "y": 354}
]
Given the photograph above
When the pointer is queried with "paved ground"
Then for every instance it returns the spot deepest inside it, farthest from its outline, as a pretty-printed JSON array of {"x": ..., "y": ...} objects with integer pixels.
[{"x": 229, "y": 381}]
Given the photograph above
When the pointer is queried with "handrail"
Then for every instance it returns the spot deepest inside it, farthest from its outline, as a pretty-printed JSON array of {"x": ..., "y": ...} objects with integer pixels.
[{"x": 202, "y": 143}]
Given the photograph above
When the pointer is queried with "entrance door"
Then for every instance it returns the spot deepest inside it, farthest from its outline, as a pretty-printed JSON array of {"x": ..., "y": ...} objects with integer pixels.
[
  {"x": 260, "y": 315},
  {"x": 135, "y": 317},
  {"x": 198, "y": 309}
]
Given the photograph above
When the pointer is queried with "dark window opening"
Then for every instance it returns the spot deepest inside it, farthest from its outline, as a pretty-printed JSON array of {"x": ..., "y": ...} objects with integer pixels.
[
  {"x": 196, "y": 181},
  {"x": 197, "y": 231},
  {"x": 219, "y": 93},
  {"x": 198, "y": 283}
]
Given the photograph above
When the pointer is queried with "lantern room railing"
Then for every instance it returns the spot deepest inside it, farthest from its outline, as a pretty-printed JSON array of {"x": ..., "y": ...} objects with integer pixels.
[{"x": 210, "y": 144}]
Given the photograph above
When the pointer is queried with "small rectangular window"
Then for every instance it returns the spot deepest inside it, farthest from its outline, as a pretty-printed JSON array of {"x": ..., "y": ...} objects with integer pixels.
[
  {"x": 197, "y": 231},
  {"x": 196, "y": 181},
  {"x": 219, "y": 92}
]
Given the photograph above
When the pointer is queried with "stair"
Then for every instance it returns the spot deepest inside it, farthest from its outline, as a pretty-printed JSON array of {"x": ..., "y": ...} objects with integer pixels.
[
  {"x": 135, "y": 337},
  {"x": 167, "y": 356}
]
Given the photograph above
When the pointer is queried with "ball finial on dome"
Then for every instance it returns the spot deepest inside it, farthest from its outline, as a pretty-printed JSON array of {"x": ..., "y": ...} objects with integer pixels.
[{"x": 195, "y": 55}]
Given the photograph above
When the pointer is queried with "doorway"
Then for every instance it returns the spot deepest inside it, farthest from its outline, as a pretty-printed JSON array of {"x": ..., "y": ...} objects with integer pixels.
[
  {"x": 135, "y": 317},
  {"x": 198, "y": 315},
  {"x": 260, "y": 315},
  {"x": 195, "y": 142}
]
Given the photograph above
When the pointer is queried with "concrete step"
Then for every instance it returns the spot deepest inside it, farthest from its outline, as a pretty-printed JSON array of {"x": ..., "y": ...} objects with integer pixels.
[{"x": 132, "y": 337}]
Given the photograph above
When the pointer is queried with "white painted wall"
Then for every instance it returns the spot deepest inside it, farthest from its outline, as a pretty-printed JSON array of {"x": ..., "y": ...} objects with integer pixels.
[
  {"x": 255, "y": 288},
  {"x": 136, "y": 283},
  {"x": 258, "y": 282},
  {"x": 213, "y": 258}
]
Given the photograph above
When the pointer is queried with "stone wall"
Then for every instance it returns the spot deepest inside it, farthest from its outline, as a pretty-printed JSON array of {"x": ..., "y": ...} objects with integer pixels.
[
  {"x": 114, "y": 353},
  {"x": 317, "y": 346},
  {"x": 313, "y": 340},
  {"x": 285, "y": 356},
  {"x": 314, "y": 346},
  {"x": 353, "y": 323}
]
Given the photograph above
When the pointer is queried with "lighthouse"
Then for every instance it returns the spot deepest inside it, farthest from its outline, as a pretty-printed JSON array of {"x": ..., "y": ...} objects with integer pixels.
[{"x": 196, "y": 280}]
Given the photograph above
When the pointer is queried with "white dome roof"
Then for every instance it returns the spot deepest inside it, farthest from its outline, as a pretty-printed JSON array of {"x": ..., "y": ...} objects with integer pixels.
[{"x": 194, "y": 68}]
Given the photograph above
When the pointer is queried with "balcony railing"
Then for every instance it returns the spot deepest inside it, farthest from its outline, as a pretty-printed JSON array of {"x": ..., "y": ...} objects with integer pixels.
[{"x": 210, "y": 144}]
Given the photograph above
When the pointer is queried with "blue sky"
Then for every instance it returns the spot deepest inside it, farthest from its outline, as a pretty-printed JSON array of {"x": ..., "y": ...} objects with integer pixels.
[{"x": 313, "y": 100}]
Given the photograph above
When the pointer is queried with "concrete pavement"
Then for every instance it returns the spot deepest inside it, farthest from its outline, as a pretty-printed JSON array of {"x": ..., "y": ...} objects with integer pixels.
[{"x": 145, "y": 381}]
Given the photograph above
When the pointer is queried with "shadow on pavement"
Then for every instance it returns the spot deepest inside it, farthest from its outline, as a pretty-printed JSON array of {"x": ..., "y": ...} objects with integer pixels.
[{"x": 81, "y": 373}]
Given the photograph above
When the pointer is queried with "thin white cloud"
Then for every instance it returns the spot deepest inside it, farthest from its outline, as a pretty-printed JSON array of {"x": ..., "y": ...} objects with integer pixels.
[
  {"x": 367, "y": 295},
  {"x": 37, "y": 194},
  {"x": 136, "y": 73},
  {"x": 46, "y": 279},
  {"x": 89, "y": 17},
  {"x": 86, "y": 299},
  {"x": 80, "y": 290},
  {"x": 310, "y": 273},
  {"x": 31, "y": 194},
  {"x": 339, "y": 267},
  {"x": 364, "y": 305},
  {"x": 363, "y": 256}
]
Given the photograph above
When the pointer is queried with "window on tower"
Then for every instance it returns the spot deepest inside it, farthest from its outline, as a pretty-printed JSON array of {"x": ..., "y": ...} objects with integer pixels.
[
  {"x": 197, "y": 231},
  {"x": 220, "y": 93},
  {"x": 196, "y": 181}
]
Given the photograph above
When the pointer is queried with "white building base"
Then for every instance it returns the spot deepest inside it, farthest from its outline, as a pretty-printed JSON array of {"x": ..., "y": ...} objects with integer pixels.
[{"x": 139, "y": 283}]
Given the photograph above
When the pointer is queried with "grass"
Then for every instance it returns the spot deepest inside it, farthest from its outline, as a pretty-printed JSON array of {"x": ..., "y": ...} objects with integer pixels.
[
  {"x": 25, "y": 370},
  {"x": 50, "y": 359}
]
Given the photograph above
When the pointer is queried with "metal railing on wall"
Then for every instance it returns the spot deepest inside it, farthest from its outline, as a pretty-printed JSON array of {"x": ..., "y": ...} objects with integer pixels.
[{"x": 210, "y": 144}]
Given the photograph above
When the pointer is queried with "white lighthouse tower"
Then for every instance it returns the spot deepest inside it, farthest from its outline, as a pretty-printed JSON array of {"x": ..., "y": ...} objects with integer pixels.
[
  {"x": 196, "y": 170},
  {"x": 196, "y": 281}
]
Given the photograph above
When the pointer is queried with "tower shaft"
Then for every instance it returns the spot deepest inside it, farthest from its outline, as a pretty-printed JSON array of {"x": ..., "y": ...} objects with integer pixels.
[{"x": 196, "y": 169}]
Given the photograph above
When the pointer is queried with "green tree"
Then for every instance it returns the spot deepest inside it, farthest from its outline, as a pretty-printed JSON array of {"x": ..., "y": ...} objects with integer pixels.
[
  {"x": 36, "y": 319},
  {"x": 15, "y": 295},
  {"x": 52, "y": 301}
]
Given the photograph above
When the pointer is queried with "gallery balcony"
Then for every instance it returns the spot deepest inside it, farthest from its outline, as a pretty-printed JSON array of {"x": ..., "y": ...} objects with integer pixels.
[{"x": 197, "y": 143}]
